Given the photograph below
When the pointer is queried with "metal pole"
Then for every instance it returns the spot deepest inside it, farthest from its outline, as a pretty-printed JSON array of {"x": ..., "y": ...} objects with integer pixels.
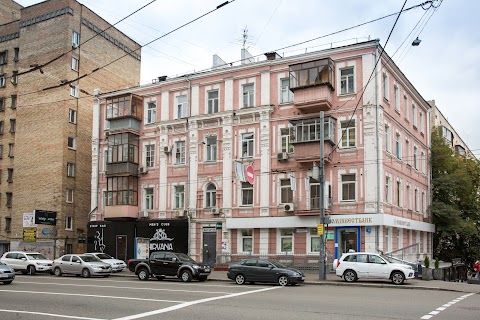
[{"x": 322, "y": 197}]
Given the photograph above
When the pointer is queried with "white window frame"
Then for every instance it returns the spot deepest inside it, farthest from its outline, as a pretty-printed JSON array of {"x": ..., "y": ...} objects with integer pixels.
[
  {"x": 246, "y": 187},
  {"x": 398, "y": 146},
  {"x": 213, "y": 103},
  {"x": 414, "y": 115},
  {"x": 179, "y": 196},
  {"x": 248, "y": 91},
  {"x": 149, "y": 198},
  {"x": 388, "y": 189},
  {"x": 181, "y": 106},
  {"x": 248, "y": 145},
  {"x": 150, "y": 155},
  {"x": 180, "y": 152},
  {"x": 72, "y": 143},
  {"x": 74, "y": 64},
  {"x": 70, "y": 169},
  {"x": 407, "y": 152},
  {"x": 75, "y": 39},
  {"x": 396, "y": 93},
  {"x": 415, "y": 157},
  {"x": 388, "y": 139},
  {"x": 286, "y": 95},
  {"x": 420, "y": 118},
  {"x": 74, "y": 90},
  {"x": 386, "y": 87},
  {"x": 285, "y": 234},
  {"x": 285, "y": 145},
  {"x": 211, "y": 147},
  {"x": 409, "y": 197},
  {"x": 346, "y": 143},
  {"x": 285, "y": 191},
  {"x": 72, "y": 116},
  {"x": 69, "y": 196},
  {"x": 416, "y": 200},
  {"x": 351, "y": 183},
  {"x": 398, "y": 193},
  {"x": 246, "y": 234},
  {"x": 151, "y": 112},
  {"x": 349, "y": 80},
  {"x": 69, "y": 223},
  {"x": 2, "y": 81},
  {"x": 311, "y": 236},
  {"x": 210, "y": 196}
]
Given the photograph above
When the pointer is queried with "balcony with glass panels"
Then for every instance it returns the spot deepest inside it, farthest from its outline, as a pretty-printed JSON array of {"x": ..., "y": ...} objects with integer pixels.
[
  {"x": 122, "y": 155},
  {"x": 312, "y": 85},
  {"x": 125, "y": 112},
  {"x": 305, "y": 137}
]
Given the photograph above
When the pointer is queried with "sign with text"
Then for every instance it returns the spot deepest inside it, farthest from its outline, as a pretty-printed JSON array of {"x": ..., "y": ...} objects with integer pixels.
[
  {"x": 45, "y": 217},
  {"x": 250, "y": 174},
  {"x": 29, "y": 234},
  {"x": 320, "y": 229}
]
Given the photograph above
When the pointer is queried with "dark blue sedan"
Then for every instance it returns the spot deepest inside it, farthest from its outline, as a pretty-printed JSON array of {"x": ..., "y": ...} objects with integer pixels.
[
  {"x": 7, "y": 274},
  {"x": 261, "y": 270}
]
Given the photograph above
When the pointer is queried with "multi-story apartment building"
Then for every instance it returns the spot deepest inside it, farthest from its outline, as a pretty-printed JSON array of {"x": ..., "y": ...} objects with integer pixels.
[
  {"x": 46, "y": 120},
  {"x": 452, "y": 138},
  {"x": 232, "y": 152}
]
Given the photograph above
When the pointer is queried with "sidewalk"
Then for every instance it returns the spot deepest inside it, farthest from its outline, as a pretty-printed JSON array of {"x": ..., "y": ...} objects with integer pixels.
[{"x": 333, "y": 280}]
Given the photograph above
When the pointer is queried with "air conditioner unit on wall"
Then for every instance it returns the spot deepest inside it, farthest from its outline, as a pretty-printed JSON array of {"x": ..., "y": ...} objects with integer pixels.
[
  {"x": 143, "y": 170},
  {"x": 288, "y": 207},
  {"x": 215, "y": 210},
  {"x": 167, "y": 149},
  {"x": 143, "y": 214},
  {"x": 282, "y": 156},
  {"x": 181, "y": 213}
]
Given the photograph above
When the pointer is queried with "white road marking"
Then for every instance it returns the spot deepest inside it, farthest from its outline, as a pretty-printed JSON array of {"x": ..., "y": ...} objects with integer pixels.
[
  {"x": 91, "y": 295},
  {"x": 117, "y": 287},
  {"x": 190, "y": 303},
  {"x": 445, "y": 306},
  {"x": 48, "y": 314}
]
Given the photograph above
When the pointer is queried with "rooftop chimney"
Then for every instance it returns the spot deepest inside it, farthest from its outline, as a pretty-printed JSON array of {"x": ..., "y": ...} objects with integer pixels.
[{"x": 272, "y": 55}]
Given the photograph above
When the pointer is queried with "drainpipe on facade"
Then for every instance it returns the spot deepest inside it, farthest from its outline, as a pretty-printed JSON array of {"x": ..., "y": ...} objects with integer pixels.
[{"x": 377, "y": 129}]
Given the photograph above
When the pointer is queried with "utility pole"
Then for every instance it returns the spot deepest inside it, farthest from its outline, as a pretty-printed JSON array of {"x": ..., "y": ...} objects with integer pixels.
[{"x": 322, "y": 198}]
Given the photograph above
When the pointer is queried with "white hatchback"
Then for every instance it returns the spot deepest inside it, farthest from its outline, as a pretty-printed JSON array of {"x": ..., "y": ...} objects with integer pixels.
[
  {"x": 27, "y": 262},
  {"x": 362, "y": 265}
]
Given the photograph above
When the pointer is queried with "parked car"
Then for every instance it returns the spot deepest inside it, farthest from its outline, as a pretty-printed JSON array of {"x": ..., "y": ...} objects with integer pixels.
[
  {"x": 362, "y": 265},
  {"x": 27, "y": 262},
  {"x": 163, "y": 264},
  {"x": 7, "y": 274},
  {"x": 81, "y": 265},
  {"x": 117, "y": 265},
  {"x": 261, "y": 270}
]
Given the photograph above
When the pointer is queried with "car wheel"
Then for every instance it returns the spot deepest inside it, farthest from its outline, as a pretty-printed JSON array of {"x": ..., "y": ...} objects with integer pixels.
[
  {"x": 57, "y": 271},
  {"x": 398, "y": 277},
  {"x": 7, "y": 282},
  {"x": 31, "y": 270},
  {"x": 350, "y": 276},
  {"x": 239, "y": 279},
  {"x": 85, "y": 273},
  {"x": 202, "y": 278},
  {"x": 143, "y": 274},
  {"x": 283, "y": 281},
  {"x": 186, "y": 276}
]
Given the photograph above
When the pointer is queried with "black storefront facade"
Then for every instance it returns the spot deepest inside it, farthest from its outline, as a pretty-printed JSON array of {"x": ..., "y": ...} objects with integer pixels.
[{"x": 117, "y": 237}]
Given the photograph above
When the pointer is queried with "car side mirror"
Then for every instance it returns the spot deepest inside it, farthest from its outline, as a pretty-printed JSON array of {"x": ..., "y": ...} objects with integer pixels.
[
  {"x": 271, "y": 266},
  {"x": 174, "y": 259},
  {"x": 23, "y": 258}
]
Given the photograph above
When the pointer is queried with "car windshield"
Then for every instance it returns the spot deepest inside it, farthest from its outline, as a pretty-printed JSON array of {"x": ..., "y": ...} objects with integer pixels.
[
  {"x": 103, "y": 256},
  {"x": 89, "y": 258},
  {"x": 184, "y": 257},
  {"x": 278, "y": 264},
  {"x": 36, "y": 256}
]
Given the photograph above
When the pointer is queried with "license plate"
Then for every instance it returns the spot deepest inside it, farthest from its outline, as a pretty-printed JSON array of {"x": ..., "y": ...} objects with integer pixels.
[
  {"x": 207, "y": 269},
  {"x": 3, "y": 275}
]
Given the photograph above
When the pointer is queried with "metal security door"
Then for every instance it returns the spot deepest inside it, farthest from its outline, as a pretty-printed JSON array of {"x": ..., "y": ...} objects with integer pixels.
[
  {"x": 121, "y": 247},
  {"x": 209, "y": 247}
]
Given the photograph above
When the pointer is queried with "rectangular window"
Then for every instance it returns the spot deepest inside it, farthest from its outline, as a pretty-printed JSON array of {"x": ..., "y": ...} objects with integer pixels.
[
  {"x": 9, "y": 199},
  {"x": 75, "y": 39},
  {"x": 181, "y": 107},
  {"x": 399, "y": 194},
  {"x": 3, "y": 57},
  {"x": 74, "y": 64},
  {"x": 415, "y": 156},
  {"x": 14, "y": 79},
  {"x": 2, "y": 126},
  {"x": 424, "y": 202},
  {"x": 422, "y": 162},
  {"x": 69, "y": 223},
  {"x": 2, "y": 104},
  {"x": 70, "y": 169},
  {"x": 348, "y": 134},
  {"x": 285, "y": 93},
  {"x": 398, "y": 146},
  {"x": 409, "y": 197},
  {"x": 122, "y": 191},
  {"x": 10, "y": 175},
  {"x": 151, "y": 112},
  {"x": 211, "y": 148},
  {"x": 247, "y": 145},
  {"x": 314, "y": 194},
  {"x": 150, "y": 155},
  {"x": 248, "y": 96},
  {"x": 1, "y": 151},
  {"x": 407, "y": 153},
  {"x": 69, "y": 195},
  {"x": 16, "y": 54},
  {"x": 8, "y": 224},
  {"x": 348, "y": 187},
  {"x": 388, "y": 139},
  {"x": 74, "y": 90},
  {"x": 385, "y": 86},
  {"x": 286, "y": 240},
  {"x": 10, "y": 150},
  {"x": 314, "y": 240},
  {"x": 287, "y": 146},
  {"x": 388, "y": 188},
  {"x": 2, "y": 80},
  {"x": 247, "y": 194},
  {"x": 396, "y": 93},
  {"x": 416, "y": 200},
  {"x": 211, "y": 196},
  {"x": 405, "y": 100},
  {"x": 420, "y": 115},
  {"x": 286, "y": 193},
  {"x": 13, "y": 105},
  {"x": 180, "y": 152},
  {"x": 414, "y": 115},
  {"x": 123, "y": 148},
  {"x": 72, "y": 143},
  {"x": 13, "y": 125},
  {"x": 72, "y": 116},
  {"x": 179, "y": 197},
  {"x": 247, "y": 240},
  {"x": 149, "y": 198},
  {"x": 212, "y": 101},
  {"x": 346, "y": 81}
]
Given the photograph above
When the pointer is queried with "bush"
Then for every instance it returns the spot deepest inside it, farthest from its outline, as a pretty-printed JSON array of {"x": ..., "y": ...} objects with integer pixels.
[
  {"x": 426, "y": 262},
  {"x": 437, "y": 263}
]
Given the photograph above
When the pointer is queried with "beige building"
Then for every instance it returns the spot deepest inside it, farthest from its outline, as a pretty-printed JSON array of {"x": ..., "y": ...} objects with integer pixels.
[{"x": 46, "y": 117}]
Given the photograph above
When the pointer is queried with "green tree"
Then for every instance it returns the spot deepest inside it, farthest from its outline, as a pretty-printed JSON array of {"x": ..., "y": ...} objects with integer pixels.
[{"x": 455, "y": 202}]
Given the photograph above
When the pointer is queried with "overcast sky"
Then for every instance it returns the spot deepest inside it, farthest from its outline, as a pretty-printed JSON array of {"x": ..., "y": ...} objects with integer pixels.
[{"x": 445, "y": 67}]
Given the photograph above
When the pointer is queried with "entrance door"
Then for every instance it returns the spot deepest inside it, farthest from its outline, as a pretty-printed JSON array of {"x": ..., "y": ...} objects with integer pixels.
[
  {"x": 210, "y": 248},
  {"x": 347, "y": 239},
  {"x": 121, "y": 247}
]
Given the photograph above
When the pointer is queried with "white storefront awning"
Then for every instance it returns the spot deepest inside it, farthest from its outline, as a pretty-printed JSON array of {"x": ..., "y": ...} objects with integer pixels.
[{"x": 346, "y": 220}]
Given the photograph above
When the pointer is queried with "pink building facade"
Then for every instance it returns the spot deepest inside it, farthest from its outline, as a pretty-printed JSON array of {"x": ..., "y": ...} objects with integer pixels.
[{"x": 234, "y": 151}]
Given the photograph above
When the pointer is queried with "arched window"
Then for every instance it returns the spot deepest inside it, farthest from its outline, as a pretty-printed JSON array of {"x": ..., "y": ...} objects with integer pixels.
[{"x": 211, "y": 196}]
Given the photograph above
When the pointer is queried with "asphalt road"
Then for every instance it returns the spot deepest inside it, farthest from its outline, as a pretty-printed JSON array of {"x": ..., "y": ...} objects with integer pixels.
[{"x": 42, "y": 297}]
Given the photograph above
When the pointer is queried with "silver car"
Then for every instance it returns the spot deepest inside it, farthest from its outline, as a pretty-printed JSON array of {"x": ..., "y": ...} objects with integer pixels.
[
  {"x": 81, "y": 265},
  {"x": 117, "y": 265},
  {"x": 7, "y": 274}
]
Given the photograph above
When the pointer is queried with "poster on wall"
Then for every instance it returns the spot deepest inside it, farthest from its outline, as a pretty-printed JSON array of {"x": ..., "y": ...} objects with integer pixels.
[
  {"x": 28, "y": 220},
  {"x": 142, "y": 248},
  {"x": 165, "y": 235}
]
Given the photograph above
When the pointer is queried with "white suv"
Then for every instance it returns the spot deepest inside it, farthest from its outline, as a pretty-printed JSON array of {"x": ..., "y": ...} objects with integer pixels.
[
  {"x": 361, "y": 265},
  {"x": 27, "y": 262}
]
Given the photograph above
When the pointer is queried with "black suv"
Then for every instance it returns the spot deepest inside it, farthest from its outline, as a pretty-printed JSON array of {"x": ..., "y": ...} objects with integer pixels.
[{"x": 171, "y": 264}]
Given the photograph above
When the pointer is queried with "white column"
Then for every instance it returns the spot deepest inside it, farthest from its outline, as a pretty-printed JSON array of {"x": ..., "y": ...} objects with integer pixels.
[
  {"x": 265, "y": 162},
  {"x": 263, "y": 242},
  {"x": 164, "y": 107},
  {"x": 162, "y": 178},
  {"x": 227, "y": 150},
  {"x": 192, "y": 133},
  {"x": 228, "y": 95},
  {"x": 195, "y": 100},
  {"x": 265, "y": 88}
]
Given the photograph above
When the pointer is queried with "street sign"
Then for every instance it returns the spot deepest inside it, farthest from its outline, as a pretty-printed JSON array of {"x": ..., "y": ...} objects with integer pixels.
[
  {"x": 250, "y": 174},
  {"x": 46, "y": 231},
  {"x": 218, "y": 226},
  {"x": 45, "y": 217},
  {"x": 319, "y": 229},
  {"x": 29, "y": 234}
]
